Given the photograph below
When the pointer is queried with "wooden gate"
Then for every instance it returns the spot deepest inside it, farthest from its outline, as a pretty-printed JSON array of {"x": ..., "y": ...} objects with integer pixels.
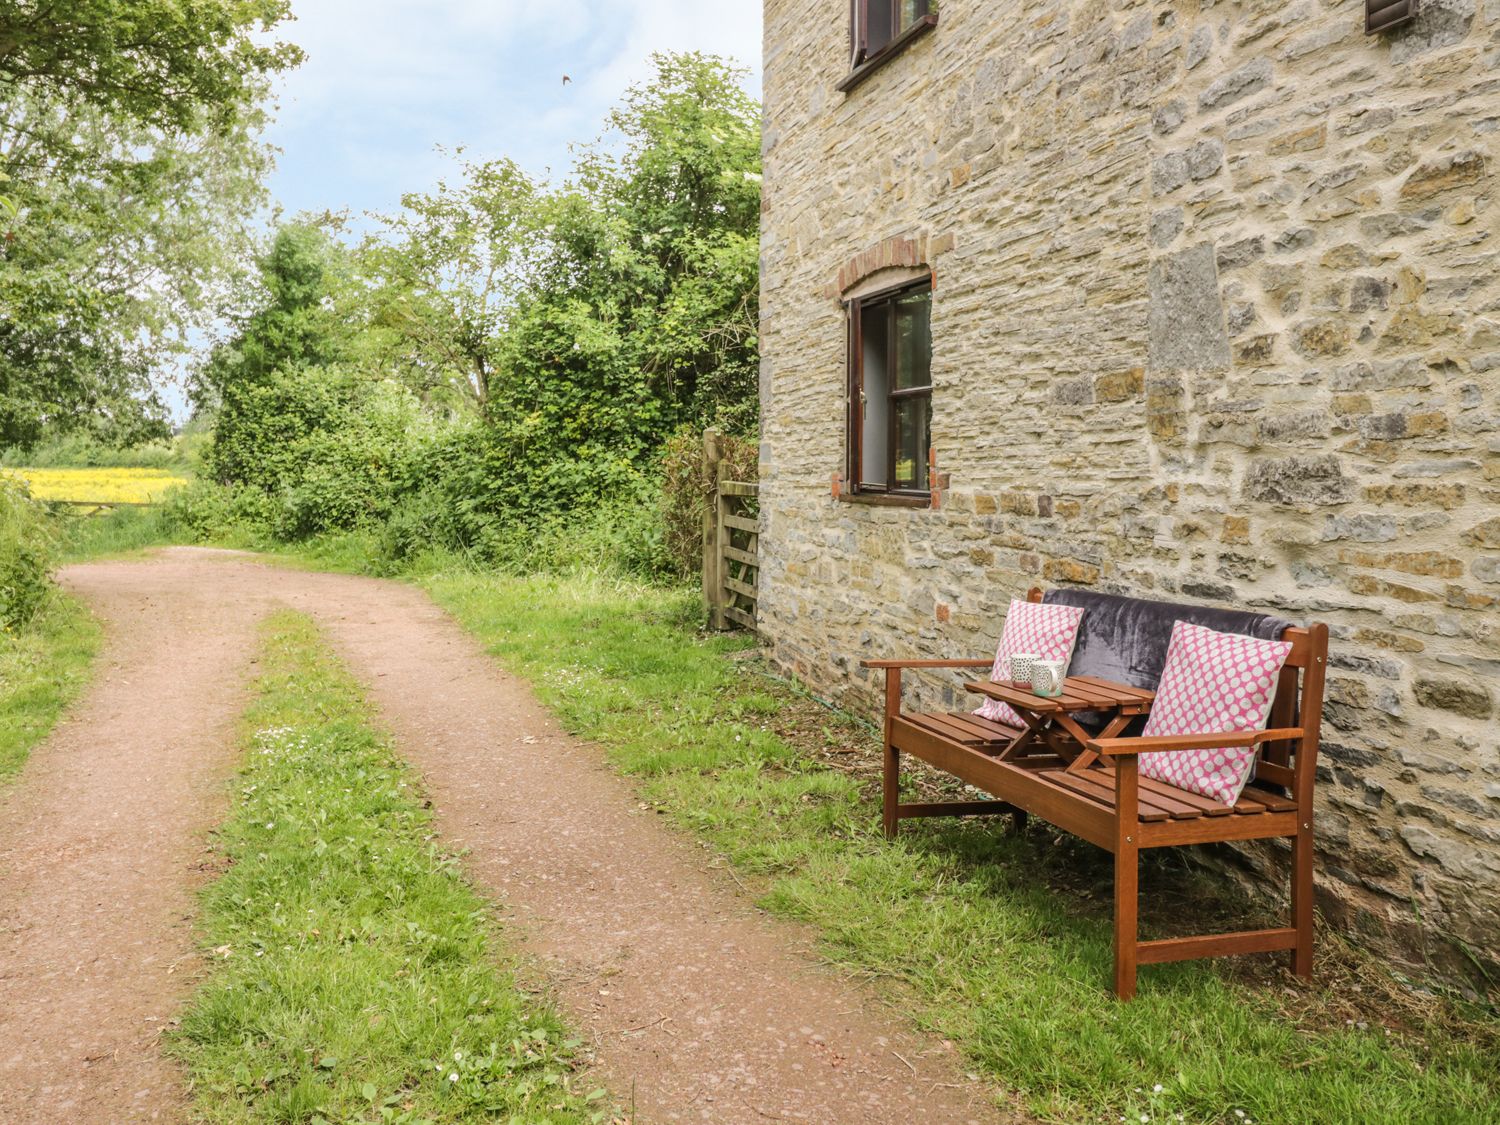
[{"x": 731, "y": 534}]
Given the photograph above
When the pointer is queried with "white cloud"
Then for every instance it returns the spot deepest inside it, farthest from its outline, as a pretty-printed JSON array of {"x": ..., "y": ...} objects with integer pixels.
[{"x": 386, "y": 81}]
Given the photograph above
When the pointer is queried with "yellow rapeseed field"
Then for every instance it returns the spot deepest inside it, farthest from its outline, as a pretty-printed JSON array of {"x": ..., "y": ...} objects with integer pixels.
[{"x": 100, "y": 486}]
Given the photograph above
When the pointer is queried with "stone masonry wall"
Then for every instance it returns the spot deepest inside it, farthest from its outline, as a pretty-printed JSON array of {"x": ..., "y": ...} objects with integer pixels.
[{"x": 1216, "y": 317}]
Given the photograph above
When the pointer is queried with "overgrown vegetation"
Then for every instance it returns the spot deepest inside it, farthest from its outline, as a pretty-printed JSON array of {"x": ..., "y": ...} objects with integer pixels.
[
  {"x": 27, "y": 547},
  {"x": 354, "y": 974},
  {"x": 503, "y": 362},
  {"x": 963, "y": 920},
  {"x": 42, "y": 670},
  {"x": 47, "y": 639}
]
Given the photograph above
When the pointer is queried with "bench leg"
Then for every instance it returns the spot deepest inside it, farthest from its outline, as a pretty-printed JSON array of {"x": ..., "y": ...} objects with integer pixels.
[
  {"x": 890, "y": 790},
  {"x": 890, "y": 781},
  {"x": 1302, "y": 902},
  {"x": 1127, "y": 869},
  {"x": 1127, "y": 874}
]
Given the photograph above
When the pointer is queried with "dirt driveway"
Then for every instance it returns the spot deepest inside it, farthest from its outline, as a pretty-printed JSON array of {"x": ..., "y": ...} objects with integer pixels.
[{"x": 698, "y": 1006}]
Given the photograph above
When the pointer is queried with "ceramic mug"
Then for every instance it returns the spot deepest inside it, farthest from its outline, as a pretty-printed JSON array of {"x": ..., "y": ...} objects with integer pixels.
[
  {"x": 1020, "y": 666},
  {"x": 1047, "y": 677}
]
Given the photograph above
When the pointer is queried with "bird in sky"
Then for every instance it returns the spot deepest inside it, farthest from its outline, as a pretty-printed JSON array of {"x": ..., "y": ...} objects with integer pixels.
[{"x": 566, "y": 80}]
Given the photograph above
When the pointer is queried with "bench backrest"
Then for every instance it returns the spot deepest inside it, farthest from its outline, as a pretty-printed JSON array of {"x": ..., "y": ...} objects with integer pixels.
[{"x": 1125, "y": 639}]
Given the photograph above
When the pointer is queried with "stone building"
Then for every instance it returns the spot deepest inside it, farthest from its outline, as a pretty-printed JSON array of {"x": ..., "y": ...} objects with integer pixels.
[{"x": 1207, "y": 295}]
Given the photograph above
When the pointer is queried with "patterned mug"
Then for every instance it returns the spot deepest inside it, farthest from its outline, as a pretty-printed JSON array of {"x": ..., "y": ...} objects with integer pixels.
[
  {"x": 1020, "y": 667},
  {"x": 1047, "y": 677}
]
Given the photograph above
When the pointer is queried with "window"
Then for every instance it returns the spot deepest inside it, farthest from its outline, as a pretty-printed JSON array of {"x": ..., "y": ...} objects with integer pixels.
[
  {"x": 879, "y": 30},
  {"x": 890, "y": 391},
  {"x": 876, "y": 25}
]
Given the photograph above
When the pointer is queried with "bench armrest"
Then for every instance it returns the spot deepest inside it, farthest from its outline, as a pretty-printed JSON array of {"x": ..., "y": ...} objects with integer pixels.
[
  {"x": 1122, "y": 747},
  {"x": 979, "y": 662}
]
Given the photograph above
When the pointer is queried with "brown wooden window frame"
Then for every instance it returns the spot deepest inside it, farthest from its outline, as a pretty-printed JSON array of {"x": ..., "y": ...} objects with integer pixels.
[
  {"x": 865, "y": 55},
  {"x": 854, "y": 474},
  {"x": 1382, "y": 15}
]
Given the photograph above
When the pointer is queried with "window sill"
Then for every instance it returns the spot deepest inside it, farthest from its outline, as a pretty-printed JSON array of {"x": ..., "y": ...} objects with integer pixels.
[
  {"x": 895, "y": 47},
  {"x": 885, "y": 499}
]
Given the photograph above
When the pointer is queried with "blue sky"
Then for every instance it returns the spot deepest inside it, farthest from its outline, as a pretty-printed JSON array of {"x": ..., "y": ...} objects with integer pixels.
[{"x": 386, "y": 81}]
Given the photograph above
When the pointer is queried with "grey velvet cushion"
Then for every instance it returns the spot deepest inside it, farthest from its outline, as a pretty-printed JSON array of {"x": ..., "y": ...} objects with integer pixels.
[{"x": 1125, "y": 639}]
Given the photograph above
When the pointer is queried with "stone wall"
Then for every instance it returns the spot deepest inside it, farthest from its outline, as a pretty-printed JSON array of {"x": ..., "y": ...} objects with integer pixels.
[{"x": 1215, "y": 318}]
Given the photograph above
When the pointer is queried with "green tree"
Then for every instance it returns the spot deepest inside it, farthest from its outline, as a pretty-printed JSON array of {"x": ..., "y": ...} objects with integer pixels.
[
  {"x": 281, "y": 375},
  {"x": 309, "y": 431},
  {"x": 637, "y": 313},
  {"x": 172, "y": 64},
  {"x": 131, "y": 165},
  {"x": 684, "y": 193},
  {"x": 658, "y": 233},
  {"x": 298, "y": 315},
  {"x": 105, "y": 274},
  {"x": 554, "y": 338},
  {"x": 450, "y": 269}
]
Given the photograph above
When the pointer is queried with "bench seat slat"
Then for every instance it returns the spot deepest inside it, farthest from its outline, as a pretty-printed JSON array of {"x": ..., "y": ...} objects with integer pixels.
[
  {"x": 981, "y": 728},
  {"x": 1207, "y": 806},
  {"x": 1160, "y": 791},
  {"x": 1254, "y": 801},
  {"x": 1273, "y": 801},
  {"x": 960, "y": 730},
  {"x": 977, "y": 735},
  {"x": 1094, "y": 790},
  {"x": 1164, "y": 797},
  {"x": 941, "y": 726},
  {"x": 997, "y": 731},
  {"x": 1167, "y": 797}
]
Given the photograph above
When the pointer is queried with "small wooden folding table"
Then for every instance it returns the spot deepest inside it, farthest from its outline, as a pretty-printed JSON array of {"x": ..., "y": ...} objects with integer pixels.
[{"x": 1049, "y": 718}]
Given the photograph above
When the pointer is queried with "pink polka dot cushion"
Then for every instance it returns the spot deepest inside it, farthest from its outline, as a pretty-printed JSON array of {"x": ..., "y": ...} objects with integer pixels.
[
  {"x": 1213, "y": 683},
  {"x": 1047, "y": 630}
]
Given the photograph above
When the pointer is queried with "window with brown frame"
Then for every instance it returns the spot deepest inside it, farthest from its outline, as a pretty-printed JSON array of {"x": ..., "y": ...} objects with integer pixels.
[
  {"x": 877, "y": 26},
  {"x": 890, "y": 391}
]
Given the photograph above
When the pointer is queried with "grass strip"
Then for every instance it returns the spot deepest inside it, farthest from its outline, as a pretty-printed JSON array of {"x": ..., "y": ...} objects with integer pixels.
[
  {"x": 42, "y": 670},
  {"x": 962, "y": 916},
  {"x": 354, "y": 974}
]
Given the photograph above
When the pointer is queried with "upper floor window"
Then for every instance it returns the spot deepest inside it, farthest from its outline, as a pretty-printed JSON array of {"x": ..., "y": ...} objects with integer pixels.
[
  {"x": 875, "y": 24},
  {"x": 880, "y": 28},
  {"x": 890, "y": 391}
]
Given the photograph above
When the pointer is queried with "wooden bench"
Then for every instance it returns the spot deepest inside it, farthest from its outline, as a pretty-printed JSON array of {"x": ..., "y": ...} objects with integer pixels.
[{"x": 1108, "y": 803}]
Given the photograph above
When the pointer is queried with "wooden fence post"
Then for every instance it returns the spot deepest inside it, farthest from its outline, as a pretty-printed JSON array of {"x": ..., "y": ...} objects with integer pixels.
[{"x": 713, "y": 529}]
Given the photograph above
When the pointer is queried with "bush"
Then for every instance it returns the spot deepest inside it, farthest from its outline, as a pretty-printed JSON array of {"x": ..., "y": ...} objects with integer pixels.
[
  {"x": 261, "y": 427},
  {"x": 27, "y": 545},
  {"x": 351, "y": 476},
  {"x": 205, "y": 512},
  {"x": 622, "y": 535}
]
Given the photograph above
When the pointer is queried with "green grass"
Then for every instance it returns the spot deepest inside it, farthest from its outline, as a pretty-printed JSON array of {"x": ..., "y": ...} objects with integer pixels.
[
  {"x": 42, "y": 670},
  {"x": 967, "y": 923},
  {"x": 121, "y": 532},
  {"x": 354, "y": 972}
]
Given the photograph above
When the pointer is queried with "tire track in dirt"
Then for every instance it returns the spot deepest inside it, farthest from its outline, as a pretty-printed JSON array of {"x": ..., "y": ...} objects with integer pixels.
[
  {"x": 699, "y": 1007},
  {"x": 101, "y": 845}
]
